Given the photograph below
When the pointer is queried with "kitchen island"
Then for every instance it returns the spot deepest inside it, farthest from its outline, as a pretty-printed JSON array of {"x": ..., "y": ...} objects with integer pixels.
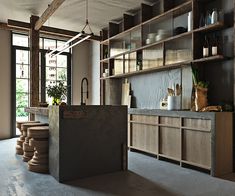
[{"x": 85, "y": 140}]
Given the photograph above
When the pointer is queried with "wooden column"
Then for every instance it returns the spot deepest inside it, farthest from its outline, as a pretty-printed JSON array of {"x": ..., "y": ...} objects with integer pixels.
[{"x": 34, "y": 62}]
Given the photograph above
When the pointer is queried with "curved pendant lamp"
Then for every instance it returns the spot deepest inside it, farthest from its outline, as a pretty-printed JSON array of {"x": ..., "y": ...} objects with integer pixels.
[{"x": 68, "y": 44}]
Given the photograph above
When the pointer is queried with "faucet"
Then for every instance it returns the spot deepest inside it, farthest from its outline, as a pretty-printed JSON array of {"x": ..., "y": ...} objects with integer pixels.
[{"x": 82, "y": 92}]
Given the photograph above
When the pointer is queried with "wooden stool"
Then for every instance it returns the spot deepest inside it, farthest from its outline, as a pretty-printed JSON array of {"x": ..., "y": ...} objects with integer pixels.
[
  {"x": 20, "y": 141},
  {"x": 28, "y": 150},
  {"x": 39, "y": 141}
]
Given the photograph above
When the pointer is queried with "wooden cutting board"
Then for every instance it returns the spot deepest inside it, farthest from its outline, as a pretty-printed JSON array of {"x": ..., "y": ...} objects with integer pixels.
[{"x": 125, "y": 93}]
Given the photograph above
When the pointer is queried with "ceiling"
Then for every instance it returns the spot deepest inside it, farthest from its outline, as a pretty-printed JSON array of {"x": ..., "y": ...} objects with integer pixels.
[{"x": 71, "y": 14}]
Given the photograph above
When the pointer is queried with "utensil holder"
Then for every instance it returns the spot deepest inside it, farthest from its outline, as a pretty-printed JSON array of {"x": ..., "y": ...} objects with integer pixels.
[{"x": 174, "y": 103}]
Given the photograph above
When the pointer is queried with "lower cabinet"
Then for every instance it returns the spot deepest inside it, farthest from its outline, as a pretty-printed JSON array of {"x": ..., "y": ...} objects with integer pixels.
[{"x": 204, "y": 140}]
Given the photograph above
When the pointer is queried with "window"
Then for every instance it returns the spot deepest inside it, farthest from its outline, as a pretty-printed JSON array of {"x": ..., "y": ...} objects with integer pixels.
[
  {"x": 22, "y": 74},
  {"x": 51, "y": 71},
  {"x": 20, "y": 40},
  {"x": 54, "y": 69}
]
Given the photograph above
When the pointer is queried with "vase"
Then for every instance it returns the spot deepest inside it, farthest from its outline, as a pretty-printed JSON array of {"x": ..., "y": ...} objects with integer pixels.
[
  {"x": 55, "y": 101},
  {"x": 200, "y": 98}
]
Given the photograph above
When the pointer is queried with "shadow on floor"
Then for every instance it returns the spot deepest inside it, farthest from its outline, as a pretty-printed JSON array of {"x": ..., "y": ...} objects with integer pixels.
[
  {"x": 229, "y": 177},
  {"x": 121, "y": 183}
]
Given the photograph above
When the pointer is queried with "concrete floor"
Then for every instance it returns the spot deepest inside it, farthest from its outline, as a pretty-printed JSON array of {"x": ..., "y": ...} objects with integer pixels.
[{"x": 146, "y": 176}]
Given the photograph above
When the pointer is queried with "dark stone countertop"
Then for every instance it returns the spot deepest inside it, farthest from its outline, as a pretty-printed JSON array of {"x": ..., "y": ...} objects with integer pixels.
[{"x": 173, "y": 113}]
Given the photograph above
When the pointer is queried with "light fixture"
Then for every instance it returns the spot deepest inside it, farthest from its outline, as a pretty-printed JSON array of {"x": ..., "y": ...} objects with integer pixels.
[
  {"x": 67, "y": 45},
  {"x": 70, "y": 46}
]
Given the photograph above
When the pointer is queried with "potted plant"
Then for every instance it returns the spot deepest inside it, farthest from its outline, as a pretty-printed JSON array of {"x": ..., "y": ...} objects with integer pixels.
[
  {"x": 56, "y": 92},
  {"x": 201, "y": 89}
]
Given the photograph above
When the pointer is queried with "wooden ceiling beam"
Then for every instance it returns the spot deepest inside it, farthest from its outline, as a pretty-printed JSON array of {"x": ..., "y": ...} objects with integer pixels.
[
  {"x": 5, "y": 26},
  {"x": 47, "y": 30},
  {"x": 47, "y": 13},
  {"x": 19, "y": 24}
]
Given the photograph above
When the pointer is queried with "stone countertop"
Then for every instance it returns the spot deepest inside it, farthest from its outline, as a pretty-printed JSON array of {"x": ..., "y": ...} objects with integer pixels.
[
  {"x": 44, "y": 111},
  {"x": 173, "y": 113}
]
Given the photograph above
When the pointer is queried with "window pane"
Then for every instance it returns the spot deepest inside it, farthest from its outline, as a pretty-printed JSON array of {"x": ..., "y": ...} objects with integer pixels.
[
  {"x": 49, "y": 44},
  {"x": 61, "y": 74},
  {"x": 22, "y": 71},
  {"x": 21, "y": 100},
  {"x": 50, "y": 82},
  {"x": 62, "y": 61},
  {"x": 22, "y": 85},
  {"x": 61, "y": 43},
  {"x": 22, "y": 56},
  {"x": 20, "y": 40},
  {"x": 21, "y": 113},
  {"x": 51, "y": 73},
  {"x": 51, "y": 61},
  {"x": 41, "y": 43}
]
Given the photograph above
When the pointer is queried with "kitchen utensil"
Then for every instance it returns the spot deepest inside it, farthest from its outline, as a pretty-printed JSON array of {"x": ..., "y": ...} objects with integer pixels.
[
  {"x": 170, "y": 92},
  {"x": 125, "y": 92},
  {"x": 178, "y": 89}
]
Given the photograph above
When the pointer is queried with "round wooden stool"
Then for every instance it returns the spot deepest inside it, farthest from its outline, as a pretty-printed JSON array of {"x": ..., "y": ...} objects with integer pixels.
[
  {"x": 39, "y": 141},
  {"x": 29, "y": 150},
  {"x": 20, "y": 141}
]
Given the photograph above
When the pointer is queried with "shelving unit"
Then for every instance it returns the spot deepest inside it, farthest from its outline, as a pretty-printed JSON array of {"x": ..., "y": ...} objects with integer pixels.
[{"x": 124, "y": 61}]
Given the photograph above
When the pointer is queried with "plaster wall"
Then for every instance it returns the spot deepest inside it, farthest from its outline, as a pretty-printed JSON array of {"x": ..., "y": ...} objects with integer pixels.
[{"x": 5, "y": 84}]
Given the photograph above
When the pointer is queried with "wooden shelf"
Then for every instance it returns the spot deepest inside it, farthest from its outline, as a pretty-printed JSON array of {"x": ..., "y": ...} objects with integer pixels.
[
  {"x": 175, "y": 11},
  {"x": 168, "y": 67},
  {"x": 121, "y": 34},
  {"x": 187, "y": 6},
  {"x": 212, "y": 27},
  {"x": 166, "y": 40},
  {"x": 208, "y": 28},
  {"x": 153, "y": 44},
  {"x": 209, "y": 59},
  {"x": 182, "y": 35}
]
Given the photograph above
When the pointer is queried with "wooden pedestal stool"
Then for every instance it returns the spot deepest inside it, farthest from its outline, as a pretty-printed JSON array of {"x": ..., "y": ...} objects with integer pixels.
[
  {"x": 20, "y": 141},
  {"x": 39, "y": 141},
  {"x": 28, "y": 150}
]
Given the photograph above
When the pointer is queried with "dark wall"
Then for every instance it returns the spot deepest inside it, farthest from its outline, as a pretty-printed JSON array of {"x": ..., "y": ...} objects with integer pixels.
[{"x": 149, "y": 89}]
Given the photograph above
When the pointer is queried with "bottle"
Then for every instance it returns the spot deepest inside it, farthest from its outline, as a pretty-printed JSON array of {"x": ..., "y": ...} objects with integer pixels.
[
  {"x": 206, "y": 48},
  {"x": 208, "y": 18},
  {"x": 214, "y": 16},
  {"x": 214, "y": 46},
  {"x": 221, "y": 16}
]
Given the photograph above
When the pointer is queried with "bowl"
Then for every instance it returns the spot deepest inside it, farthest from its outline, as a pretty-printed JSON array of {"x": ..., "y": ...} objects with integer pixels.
[
  {"x": 150, "y": 41},
  {"x": 162, "y": 31},
  {"x": 179, "y": 30},
  {"x": 152, "y": 35}
]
